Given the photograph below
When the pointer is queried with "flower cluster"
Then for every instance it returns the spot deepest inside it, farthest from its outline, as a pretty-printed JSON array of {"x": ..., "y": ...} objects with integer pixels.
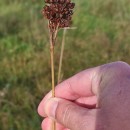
[{"x": 58, "y": 12}]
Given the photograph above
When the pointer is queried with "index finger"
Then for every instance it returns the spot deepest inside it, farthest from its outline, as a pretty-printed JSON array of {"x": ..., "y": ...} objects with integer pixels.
[{"x": 79, "y": 85}]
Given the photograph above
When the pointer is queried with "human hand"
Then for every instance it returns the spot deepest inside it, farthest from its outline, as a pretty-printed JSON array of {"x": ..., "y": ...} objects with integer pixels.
[{"x": 94, "y": 99}]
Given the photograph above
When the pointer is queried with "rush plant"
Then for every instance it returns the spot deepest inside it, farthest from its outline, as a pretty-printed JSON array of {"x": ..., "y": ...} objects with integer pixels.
[{"x": 59, "y": 14}]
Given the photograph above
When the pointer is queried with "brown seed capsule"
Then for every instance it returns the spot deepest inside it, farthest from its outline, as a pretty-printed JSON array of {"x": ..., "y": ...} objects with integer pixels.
[
  {"x": 67, "y": 1},
  {"x": 61, "y": 1},
  {"x": 70, "y": 12},
  {"x": 66, "y": 12},
  {"x": 55, "y": 1},
  {"x": 69, "y": 18},
  {"x": 46, "y": 1},
  {"x": 71, "y": 5}
]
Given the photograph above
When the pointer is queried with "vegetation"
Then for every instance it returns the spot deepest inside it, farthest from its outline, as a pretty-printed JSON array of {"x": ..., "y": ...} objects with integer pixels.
[{"x": 102, "y": 36}]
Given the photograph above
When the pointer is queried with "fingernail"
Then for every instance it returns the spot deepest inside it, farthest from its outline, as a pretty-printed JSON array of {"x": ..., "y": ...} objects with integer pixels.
[{"x": 51, "y": 106}]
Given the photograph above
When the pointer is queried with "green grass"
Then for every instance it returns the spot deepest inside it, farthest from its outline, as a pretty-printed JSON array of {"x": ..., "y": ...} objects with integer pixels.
[{"x": 102, "y": 36}]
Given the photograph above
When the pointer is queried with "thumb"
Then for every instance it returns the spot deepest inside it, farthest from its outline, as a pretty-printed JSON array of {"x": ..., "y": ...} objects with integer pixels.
[{"x": 70, "y": 115}]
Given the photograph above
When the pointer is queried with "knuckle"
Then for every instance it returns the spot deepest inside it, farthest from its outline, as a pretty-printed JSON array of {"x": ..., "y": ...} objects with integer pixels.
[
  {"x": 122, "y": 64},
  {"x": 118, "y": 68},
  {"x": 121, "y": 68}
]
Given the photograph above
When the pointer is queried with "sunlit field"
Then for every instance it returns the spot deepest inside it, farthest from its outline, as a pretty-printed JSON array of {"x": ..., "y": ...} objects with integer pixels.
[{"x": 102, "y": 35}]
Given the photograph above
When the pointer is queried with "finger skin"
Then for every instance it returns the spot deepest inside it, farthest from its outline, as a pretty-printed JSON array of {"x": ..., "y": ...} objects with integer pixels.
[
  {"x": 114, "y": 102},
  {"x": 47, "y": 125},
  {"x": 71, "y": 115},
  {"x": 87, "y": 102}
]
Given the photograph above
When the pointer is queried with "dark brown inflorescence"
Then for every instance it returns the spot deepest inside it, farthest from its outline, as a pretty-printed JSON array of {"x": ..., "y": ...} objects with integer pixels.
[{"x": 58, "y": 12}]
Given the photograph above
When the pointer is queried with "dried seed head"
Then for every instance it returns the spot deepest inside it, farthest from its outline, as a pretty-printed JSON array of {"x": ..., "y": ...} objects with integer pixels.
[{"x": 58, "y": 12}]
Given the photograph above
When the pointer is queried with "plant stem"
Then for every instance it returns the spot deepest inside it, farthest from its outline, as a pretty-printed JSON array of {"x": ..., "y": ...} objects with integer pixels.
[
  {"x": 56, "y": 31},
  {"x": 53, "y": 79},
  {"x": 52, "y": 70},
  {"x": 53, "y": 36},
  {"x": 61, "y": 55}
]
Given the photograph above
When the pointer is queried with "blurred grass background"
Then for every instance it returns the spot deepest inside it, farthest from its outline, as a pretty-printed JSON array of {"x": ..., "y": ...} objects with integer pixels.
[{"x": 102, "y": 36}]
